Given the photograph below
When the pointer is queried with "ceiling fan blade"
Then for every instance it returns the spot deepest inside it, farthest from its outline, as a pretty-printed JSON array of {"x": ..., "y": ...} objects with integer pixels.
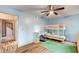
[
  {"x": 59, "y": 9},
  {"x": 44, "y": 11},
  {"x": 55, "y": 13},
  {"x": 47, "y": 14},
  {"x": 50, "y": 7}
]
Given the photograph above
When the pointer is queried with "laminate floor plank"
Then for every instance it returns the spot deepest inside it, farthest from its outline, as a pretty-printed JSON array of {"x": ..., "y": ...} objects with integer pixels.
[{"x": 32, "y": 48}]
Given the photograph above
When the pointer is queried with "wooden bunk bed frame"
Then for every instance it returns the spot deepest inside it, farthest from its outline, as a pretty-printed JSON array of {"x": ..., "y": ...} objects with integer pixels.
[{"x": 55, "y": 27}]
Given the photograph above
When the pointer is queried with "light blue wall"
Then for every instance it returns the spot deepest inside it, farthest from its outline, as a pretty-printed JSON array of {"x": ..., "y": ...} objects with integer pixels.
[
  {"x": 25, "y": 24},
  {"x": 26, "y": 29},
  {"x": 72, "y": 25}
]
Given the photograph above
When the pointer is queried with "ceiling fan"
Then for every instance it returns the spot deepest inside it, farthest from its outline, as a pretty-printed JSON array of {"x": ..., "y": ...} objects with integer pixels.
[{"x": 52, "y": 10}]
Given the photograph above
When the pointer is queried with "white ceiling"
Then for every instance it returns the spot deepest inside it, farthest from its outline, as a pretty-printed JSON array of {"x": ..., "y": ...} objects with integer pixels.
[{"x": 36, "y": 9}]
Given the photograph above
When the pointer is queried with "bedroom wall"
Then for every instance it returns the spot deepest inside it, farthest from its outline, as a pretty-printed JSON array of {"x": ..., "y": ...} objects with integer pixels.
[
  {"x": 72, "y": 25},
  {"x": 25, "y": 25},
  {"x": 27, "y": 28}
]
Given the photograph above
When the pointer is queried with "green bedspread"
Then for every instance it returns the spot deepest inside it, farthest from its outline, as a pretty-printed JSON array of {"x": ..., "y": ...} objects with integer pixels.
[{"x": 58, "y": 47}]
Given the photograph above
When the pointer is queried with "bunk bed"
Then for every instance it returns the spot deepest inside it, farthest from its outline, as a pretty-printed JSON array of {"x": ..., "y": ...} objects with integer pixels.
[{"x": 54, "y": 31}]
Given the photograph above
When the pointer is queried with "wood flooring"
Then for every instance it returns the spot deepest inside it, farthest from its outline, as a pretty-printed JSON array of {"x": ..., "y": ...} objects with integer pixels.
[
  {"x": 37, "y": 48},
  {"x": 32, "y": 48}
]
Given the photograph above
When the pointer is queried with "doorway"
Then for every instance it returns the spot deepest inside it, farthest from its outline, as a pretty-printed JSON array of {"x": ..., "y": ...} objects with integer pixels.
[{"x": 8, "y": 33}]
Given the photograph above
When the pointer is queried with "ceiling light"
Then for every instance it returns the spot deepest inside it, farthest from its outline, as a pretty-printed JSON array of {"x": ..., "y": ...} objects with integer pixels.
[{"x": 51, "y": 12}]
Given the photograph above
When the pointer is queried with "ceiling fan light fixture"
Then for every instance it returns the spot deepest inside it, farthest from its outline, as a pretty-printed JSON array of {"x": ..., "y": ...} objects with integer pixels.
[{"x": 51, "y": 12}]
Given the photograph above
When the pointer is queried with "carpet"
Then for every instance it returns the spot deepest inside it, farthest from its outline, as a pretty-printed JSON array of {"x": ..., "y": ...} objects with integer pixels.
[{"x": 58, "y": 47}]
